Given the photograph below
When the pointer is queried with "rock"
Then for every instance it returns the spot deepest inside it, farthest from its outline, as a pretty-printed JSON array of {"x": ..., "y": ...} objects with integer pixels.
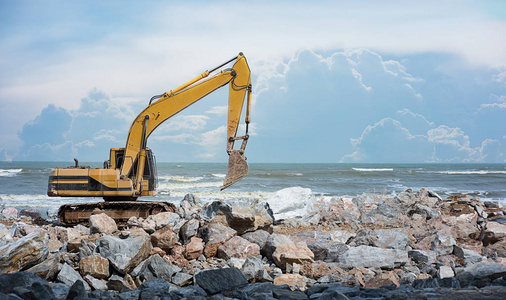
[
  {"x": 95, "y": 266},
  {"x": 30, "y": 285},
  {"x": 486, "y": 270},
  {"x": 189, "y": 292},
  {"x": 10, "y": 212},
  {"x": 189, "y": 229},
  {"x": 69, "y": 276},
  {"x": 494, "y": 232},
  {"x": 433, "y": 283},
  {"x": 154, "y": 289},
  {"x": 24, "y": 253},
  {"x": 76, "y": 290},
  {"x": 341, "y": 236},
  {"x": 443, "y": 244},
  {"x": 294, "y": 281},
  {"x": 158, "y": 221},
  {"x": 471, "y": 257},
  {"x": 194, "y": 249},
  {"x": 96, "y": 284},
  {"x": 5, "y": 233},
  {"x": 214, "y": 235},
  {"x": 237, "y": 247},
  {"x": 291, "y": 203},
  {"x": 117, "y": 283},
  {"x": 292, "y": 253},
  {"x": 102, "y": 223},
  {"x": 273, "y": 242},
  {"x": 395, "y": 238},
  {"x": 124, "y": 254},
  {"x": 263, "y": 276},
  {"x": 420, "y": 257},
  {"x": 75, "y": 244},
  {"x": 46, "y": 269},
  {"x": 182, "y": 279},
  {"x": 155, "y": 267},
  {"x": 29, "y": 212},
  {"x": 215, "y": 281},
  {"x": 158, "y": 251},
  {"x": 251, "y": 267},
  {"x": 445, "y": 272},
  {"x": 258, "y": 237},
  {"x": 164, "y": 238},
  {"x": 373, "y": 257}
]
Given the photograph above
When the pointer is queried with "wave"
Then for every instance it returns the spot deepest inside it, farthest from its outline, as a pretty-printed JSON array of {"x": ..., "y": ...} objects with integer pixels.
[
  {"x": 219, "y": 175},
  {"x": 181, "y": 178},
  {"x": 9, "y": 172},
  {"x": 42, "y": 200},
  {"x": 479, "y": 172},
  {"x": 372, "y": 169},
  {"x": 220, "y": 195},
  {"x": 188, "y": 186},
  {"x": 280, "y": 175}
]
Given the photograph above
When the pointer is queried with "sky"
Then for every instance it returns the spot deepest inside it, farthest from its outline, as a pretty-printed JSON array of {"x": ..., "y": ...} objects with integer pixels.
[{"x": 333, "y": 81}]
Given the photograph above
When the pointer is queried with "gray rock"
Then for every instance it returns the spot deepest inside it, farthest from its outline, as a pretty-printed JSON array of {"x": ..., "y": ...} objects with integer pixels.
[
  {"x": 471, "y": 257},
  {"x": 215, "y": 281},
  {"x": 155, "y": 289},
  {"x": 33, "y": 287},
  {"x": 182, "y": 279},
  {"x": 443, "y": 244},
  {"x": 69, "y": 276},
  {"x": 251, "y": 267},
  {"x": 76, "y": 290},
  {"x": 486, "y": 270},
  {"x": 273, "y": 242},
  {"x": 155, "y": 267},
  {"x": 124, "y": 254},
  {"x": 373, "y": 257},
  {"x": 188, "y": 230},
  {"x": 445, "y": 272},
  {"x": 46, "y": 269},
  {"x": 29, "y": 212},
  {"x": 117, "y": 283},
  {"x": 395, "y": 238},
  {"x": 258, "y": 237},
  {"x": 24, "y": 253},
  {"x": 187, "y": 292},
  {"x": 420, "y": 257},
  {"x": 96, "y": 284}
]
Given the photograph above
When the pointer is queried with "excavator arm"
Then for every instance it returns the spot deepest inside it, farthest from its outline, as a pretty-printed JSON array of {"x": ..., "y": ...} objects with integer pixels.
[{"x": 170, "y": 103}]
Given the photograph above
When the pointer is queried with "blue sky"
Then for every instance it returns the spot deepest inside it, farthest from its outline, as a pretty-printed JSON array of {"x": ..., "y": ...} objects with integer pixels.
[{"x": 334, "y": 81}]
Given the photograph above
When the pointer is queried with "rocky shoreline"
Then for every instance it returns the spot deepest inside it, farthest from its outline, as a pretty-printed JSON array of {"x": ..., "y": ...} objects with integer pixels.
[{"x": 413, "y": 245}]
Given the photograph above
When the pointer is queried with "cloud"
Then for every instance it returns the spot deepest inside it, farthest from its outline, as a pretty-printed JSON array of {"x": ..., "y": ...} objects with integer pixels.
[{"x": 184, "y": 123}]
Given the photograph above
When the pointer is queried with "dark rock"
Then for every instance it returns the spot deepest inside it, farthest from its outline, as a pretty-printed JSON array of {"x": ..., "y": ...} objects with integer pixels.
[
  {"x": 331, "y": 294},
  {"x": 419, "y": 256},
  {"x": 287, "y": 294},
  {"x": 182, "y": 279},
  {"x": 155, "y": 267},
  {"x": 258, "y": 237},
  {"x": 256, "y": 291},
  {"x": 431, "y": 283},
  {"x": 189, "y": 229},
  {"x": 76, "y": 290},
  {"x": 30, "y": 285},
  {"x": 188, "y": 292},
  {"x": 29, "y": 212},
  {"x": 215, "y": 281},
  {"x": 154, "y": 289},
  {"x": 251, "y": 267}
]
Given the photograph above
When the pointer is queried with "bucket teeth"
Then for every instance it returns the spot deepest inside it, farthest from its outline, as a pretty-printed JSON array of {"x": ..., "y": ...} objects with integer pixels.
[{"x": 237, "y": 168}]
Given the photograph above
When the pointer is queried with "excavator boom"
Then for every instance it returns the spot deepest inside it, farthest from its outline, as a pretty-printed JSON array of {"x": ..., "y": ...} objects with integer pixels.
[{"x": 131, "y": 171}]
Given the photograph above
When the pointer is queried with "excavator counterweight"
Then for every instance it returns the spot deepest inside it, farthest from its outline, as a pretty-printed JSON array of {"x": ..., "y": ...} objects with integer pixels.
[{"x": 130, "y": 172}]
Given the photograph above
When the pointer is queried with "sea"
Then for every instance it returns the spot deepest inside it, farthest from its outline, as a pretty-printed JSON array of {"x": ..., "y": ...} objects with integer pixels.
[{"x": 24, "y": 184}]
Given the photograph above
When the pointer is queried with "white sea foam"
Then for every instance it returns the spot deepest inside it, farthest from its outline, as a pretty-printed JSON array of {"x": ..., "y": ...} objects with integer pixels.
[
  {"x": 221, "y": 195},
  {"x": 372, "y": 170},
  {"x": 9, "y": 172},
  {"x": 181, "y": 178},
  {"x": 480, "y": 172},
  {"x": 189, "y": 186},
  {"x": 42, "y": 200},
  {"x": 219, "y": 175}
]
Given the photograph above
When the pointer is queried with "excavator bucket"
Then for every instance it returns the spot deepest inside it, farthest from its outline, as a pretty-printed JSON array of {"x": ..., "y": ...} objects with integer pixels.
[{"x": 237, "y": 168}]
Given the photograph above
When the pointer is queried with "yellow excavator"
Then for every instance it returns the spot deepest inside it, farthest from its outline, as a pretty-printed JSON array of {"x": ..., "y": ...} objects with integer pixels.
[{"x": 131, "y": 171}]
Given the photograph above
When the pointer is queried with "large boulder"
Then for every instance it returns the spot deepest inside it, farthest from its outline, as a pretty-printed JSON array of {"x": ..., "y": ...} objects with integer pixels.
[
  {"x": 215, "y": 281},
  {"x": 238, "y": 247},
  {"x": 69, "y": 276},
  {"x": 258, "y": 237},
  {"x": 46, "y": 269},
  {"x": 373, "y": 257},
  {"x": 214, "y": 235},
  {"x": 194, "y": 249},
  {"x": 164, "y": 238},
  {"x": 102, "y": 223},
  {"x": 292, "y": 202},
  {"x": 26, "y": 285},
  {"x": 160, "y": 220},
  {"x": 242, "y": 215},
  {"x": 94, "y": 265},
  {"x": 155, "y": 267},
  {"x": 124, "y": 253},
  {"x": 189, "y": 229},
  {"x": 24, "y": 253},
  {"x": 292, "y": 253}
]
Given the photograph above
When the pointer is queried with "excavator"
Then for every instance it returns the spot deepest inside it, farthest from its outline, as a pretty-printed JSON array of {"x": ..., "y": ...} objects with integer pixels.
[{"x": 130, "y": 172}]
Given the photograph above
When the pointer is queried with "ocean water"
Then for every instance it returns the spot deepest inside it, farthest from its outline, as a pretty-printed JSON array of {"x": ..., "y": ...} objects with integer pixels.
[{"x": 24, "y": 184}]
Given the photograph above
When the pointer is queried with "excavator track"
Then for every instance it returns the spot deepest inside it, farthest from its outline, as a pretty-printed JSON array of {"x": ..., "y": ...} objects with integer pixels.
[{"x": 120, "y": 211}]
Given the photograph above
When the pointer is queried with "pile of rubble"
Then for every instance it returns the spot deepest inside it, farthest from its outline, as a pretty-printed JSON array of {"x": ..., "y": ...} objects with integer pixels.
[{"x": 373, "y": 246}]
